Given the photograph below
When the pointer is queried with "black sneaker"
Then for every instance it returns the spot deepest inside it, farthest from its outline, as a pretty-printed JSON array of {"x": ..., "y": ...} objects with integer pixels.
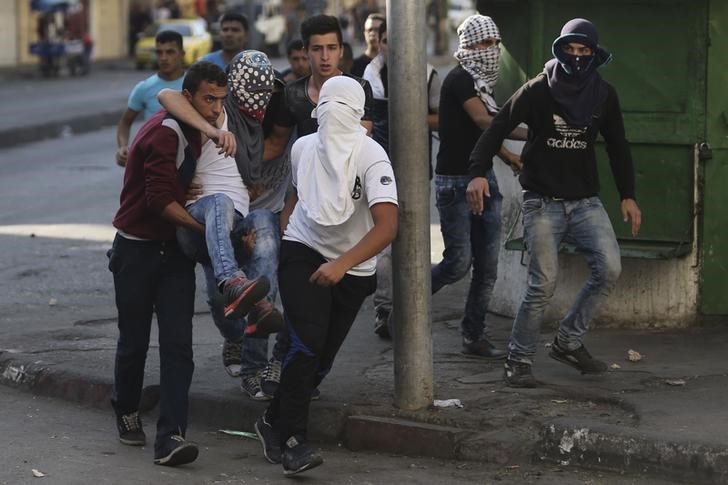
[
  {"x": 580, "y": 359},
  {"x": 250, "y": 385},
  {"x": 263, "y": 320},
  {"x": 518, "y": 374},
  {"x": 231, "y": 354},
  {"x": 176, "y": 451},
  {"x": 482, "y": 349},
  {"x": 270, "y": 377},
  {"x": 241, "y": 294},
  {"x": 130, "y": 429},
  {"x": 269, "y": 439},
  {"x": 381, "y": 325},
  {"x": 298, "y": 457},
  {"x": 315, "y": 394}
]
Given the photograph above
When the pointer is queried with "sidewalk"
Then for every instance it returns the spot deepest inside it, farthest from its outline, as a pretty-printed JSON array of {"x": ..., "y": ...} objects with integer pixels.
[{"x": 663, "y": 416}]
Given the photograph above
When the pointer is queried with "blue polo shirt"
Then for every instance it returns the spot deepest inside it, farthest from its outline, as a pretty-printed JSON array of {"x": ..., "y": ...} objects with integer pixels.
[
  {"x": 215, "y": 58},
  {"x": 144, "y": 95}
]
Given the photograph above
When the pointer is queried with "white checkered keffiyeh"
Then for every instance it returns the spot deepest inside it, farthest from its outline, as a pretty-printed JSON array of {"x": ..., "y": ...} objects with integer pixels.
[{"x": 481, "y": 64}]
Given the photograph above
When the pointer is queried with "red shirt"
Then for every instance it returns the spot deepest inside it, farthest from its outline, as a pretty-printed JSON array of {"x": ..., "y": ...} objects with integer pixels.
[{"x": 151, "y": 181}]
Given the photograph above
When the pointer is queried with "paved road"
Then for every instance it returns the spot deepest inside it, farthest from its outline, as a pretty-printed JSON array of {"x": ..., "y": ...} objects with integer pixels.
[{"x": 70, "y": 444}]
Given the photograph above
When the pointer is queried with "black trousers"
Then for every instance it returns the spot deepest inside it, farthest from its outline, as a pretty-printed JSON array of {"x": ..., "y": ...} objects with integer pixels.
[
  {"x": 318, "y": 318},
  {"x": 153, "y": 277}
]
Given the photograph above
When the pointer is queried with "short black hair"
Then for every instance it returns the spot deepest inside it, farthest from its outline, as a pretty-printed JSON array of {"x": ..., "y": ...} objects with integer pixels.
[
  {"x": 294, "y": 45},
  {"x": 234, "y": 17},
  {"x": 166, "y": 36},
  {"x": 203, "y": 71},
  {"x": 382, "y": 28},
  {"x": 320, "y": 25}
]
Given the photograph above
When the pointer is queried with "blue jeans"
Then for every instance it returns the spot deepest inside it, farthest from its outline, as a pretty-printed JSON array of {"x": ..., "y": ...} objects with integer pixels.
[
  {"x": 470, "y": 240},
  {"x": 262, "y": 262},
  {"x": 153, "y": 277},
  {"x": 546, "y": 224}
]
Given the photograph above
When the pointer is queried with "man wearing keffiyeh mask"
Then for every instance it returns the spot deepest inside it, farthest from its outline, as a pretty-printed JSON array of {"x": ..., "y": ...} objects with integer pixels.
[
  {"x": 566, "y": 107},
  {"x": 227, "y": 180},
  {"x": 343, "y": 212},
  {"x": 479, "y": 54},
  {"x": 467, "y": 107}
]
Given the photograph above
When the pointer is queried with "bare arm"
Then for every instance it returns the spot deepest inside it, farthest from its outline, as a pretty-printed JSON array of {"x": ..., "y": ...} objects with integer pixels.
[
  {"x": 480, "y": 116},
  {"x": 276, "y": 142},
  {"x": 384, "y": 231},
  {"x": 177, "y": 215},
  {"x": 178, "y": 106},
  {"x": 122, "y": 136}
]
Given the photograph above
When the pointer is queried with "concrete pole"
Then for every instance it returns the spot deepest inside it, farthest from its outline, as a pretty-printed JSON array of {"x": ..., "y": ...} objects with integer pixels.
[{"x": 406, "y": 31}]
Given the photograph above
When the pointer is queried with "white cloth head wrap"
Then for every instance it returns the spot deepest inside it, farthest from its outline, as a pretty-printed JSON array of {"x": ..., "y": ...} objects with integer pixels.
[
  {"x": 326, "y": 174},
  {"x": 481, "y": 64}
]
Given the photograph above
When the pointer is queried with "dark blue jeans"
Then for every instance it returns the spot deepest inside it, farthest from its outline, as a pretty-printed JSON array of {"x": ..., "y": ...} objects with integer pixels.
[
  {"x": 470, "y": 241},
  {"x": 153, "y": 277}
]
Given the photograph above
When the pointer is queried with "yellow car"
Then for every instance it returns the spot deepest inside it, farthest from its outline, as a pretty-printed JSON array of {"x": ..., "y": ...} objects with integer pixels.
[{"x": 195, "y": 37}]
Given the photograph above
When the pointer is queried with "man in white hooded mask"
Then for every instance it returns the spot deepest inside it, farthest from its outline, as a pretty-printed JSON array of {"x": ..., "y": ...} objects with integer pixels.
[{"x": 343, "y": 212}]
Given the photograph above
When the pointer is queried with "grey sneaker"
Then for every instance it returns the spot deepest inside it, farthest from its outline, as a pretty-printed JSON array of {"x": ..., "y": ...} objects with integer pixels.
[
  {"x": 518, "y": 374},
  {"x": 483, "y": 349},
  {"x": 270, "y": 377},
  {"x": 580, "y": 359},
  {"x": 298, "y": 456},
  {"x": 176, "y": 451},
  {"x": 130, "y": 429},
  {"x": 231, "y": 353},
  {"x": 250, "y": 385}
]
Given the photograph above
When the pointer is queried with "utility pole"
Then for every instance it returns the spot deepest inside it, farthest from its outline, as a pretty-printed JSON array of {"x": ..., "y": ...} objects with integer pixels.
[{"x": 413, "y": 374}]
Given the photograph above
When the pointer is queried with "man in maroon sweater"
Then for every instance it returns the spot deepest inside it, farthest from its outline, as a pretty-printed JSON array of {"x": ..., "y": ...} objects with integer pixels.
[{"x": 151, "y": 274}]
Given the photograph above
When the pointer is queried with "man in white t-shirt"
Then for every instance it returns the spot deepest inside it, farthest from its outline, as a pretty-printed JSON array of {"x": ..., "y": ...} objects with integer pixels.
[
  {"x": 343, "y": 212},
  {"x": 250, "y": 80},
  {"x": 222, "y": 207}
]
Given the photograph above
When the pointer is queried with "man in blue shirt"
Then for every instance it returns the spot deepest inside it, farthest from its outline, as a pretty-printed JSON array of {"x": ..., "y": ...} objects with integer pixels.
[
  {"x": 170, "y": 57},
  {"x": 233, "y": 37}
]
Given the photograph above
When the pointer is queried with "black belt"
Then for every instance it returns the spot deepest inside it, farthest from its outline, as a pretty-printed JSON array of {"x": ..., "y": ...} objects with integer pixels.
[{"x": 531, "y": 195}]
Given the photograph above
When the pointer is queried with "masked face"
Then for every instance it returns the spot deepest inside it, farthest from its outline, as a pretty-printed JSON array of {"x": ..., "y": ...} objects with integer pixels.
[
  {"x": 576, "y": 59},
  {"x": 251, "y": 82}
]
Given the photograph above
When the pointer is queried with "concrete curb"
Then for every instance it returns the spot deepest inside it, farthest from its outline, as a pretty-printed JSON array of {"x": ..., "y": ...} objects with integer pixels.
[
  {"x": 55, "y": 129},
  {"x": 615, "y": 448},
  {"x": 591, "y": 445}
]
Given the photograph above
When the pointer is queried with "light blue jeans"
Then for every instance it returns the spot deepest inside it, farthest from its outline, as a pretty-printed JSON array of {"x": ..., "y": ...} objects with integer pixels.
[
  {"x": 262, "y": 262},
  {"x": 546, "y": 224},
  {"x": 470, "y": 241}
]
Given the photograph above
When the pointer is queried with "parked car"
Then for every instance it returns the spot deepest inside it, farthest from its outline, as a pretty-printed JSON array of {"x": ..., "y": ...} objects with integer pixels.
[
  {"x": 458, "y": 11},
  {"x": 195, "y": 37}
]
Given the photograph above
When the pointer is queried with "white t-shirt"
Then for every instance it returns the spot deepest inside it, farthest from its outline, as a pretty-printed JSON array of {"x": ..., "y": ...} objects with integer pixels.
[
  {"x": 376, "y": 185},
  {"x": 218, "y": 174}
]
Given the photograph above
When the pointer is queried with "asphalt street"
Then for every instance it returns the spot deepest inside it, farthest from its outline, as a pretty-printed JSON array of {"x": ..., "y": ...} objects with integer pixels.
[{"x": 70, "y": 444}]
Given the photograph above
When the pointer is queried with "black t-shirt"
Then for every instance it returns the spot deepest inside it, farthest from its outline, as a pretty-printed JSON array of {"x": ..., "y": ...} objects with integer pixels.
[
  {"x": 458, "y": 131},
  {"x": 295, "y": 110},
  {"x": 558, "y": 159},
  {"x": 360, "y": 63}
]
